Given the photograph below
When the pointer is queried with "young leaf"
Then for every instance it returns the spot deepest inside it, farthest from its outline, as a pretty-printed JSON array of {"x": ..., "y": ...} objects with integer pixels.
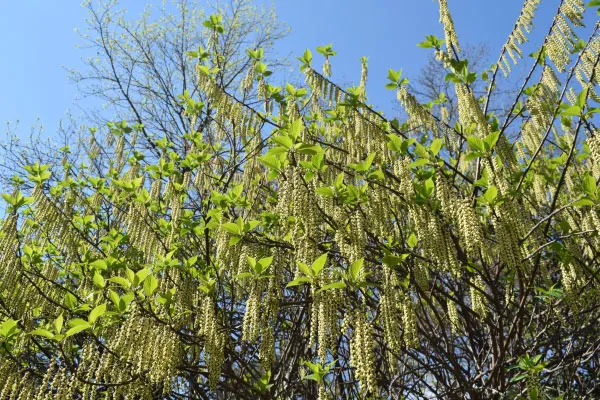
[
  {"x": 412, "y": 241},
  {"x": 334, "y": 285},
  {"x": 58, "y": 324},
  {"x": 150, "y": 285},
  {"x": 490, "y": 194},
  {"x": 436, "y": 146},
  {"x": 589, "y": 185},
  {"x": 264, "y": 263},
  {"x": 120, "y": 281},
  {"x": 98, "y": 280},
  {"x": 475, "y": 143},
  {"x": 96, "y": 313},
  {"x": 572, "y": 111},
  {"x": 419, "y": 162},
  {"x": 231, "y": 228},
  {"x": 318, "y": 264},
  {"x": 304, "y": 269},
  {"x": 491, "y": 140},
  {"x": 43, "y": 333},
  {"x": 78, "y": 328},
  {"x": 582, "y": 97},
  {"x": 355, "y": 269},
  {"x": 583, "y": 202},
  {"x": 8, "y": 328},
  {"x": 392, "y": 260},
  {"x": 298, "y": 281}
]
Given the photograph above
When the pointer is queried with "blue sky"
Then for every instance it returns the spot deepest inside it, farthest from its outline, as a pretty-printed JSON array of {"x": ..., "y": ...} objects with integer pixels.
[{"x": 38, "y": 39}]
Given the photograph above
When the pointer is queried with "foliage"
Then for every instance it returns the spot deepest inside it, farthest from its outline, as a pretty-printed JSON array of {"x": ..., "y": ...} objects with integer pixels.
[{"x": 303, "y": 245}]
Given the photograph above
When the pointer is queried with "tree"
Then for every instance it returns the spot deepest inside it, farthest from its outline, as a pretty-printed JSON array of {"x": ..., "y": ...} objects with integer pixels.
[
  {"x": 306, "y": 246},
  {"x": 139, "y": 71}
]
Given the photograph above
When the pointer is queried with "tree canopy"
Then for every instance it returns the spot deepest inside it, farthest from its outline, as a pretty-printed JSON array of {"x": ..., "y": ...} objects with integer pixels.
[{"x": 244, "y": 240}]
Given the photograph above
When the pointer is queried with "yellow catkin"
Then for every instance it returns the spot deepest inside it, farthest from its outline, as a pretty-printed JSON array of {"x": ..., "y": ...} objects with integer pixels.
[
  {"x": 449, "y": 31},
  {"x": 518, "y": 36}
]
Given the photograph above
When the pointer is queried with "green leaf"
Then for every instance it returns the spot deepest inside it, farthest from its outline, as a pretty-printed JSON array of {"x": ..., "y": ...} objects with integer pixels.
[
  {"x": 394, "y": 143},
  {"x": 313, "y": 377},
  {"x": 130, "y": 274},
  {"x": 251, "y": 262},
  {"x": 99, "y": 265},
  {"x": 475, "y": 143},
  {"x": 452, "y": 78},
  {"x": 150, "y": 285},
  {"x": 120, "y": 281},
  {"x": 518, "y": 378},
  {"x": 243, "y": 275},
  {"x": 589, "y": 185},
  {"x": 582, "y": 97},
  {"x": 114, "y": 297},
  {"x": 412, "y": 241},
  {"x": 8, "y": 198},
  {"x": 583, "y": 202},
  {"x": 431, "y": 41},
  {"x": 270, "y": 162},
  {"x": 309, "y": 149},
  {"x": 140, "y": 276},
  {"x": 43, "y": 333},
  {"x": 304, "y": 269},
  {"x": 58, "y": 324},
  {"x": 393, "y": 75},
  {"x": 572, "y": 111},
  {"x": 533, "y": 393},
  {"x": 295, "y": 128},
  {"x": 377, "y": 175},
  {"x": 273, "y": 151},
  {"x": 429, "y": 187},
  {"x": 232, "y": 228},
  {"x": 125, "y": 300},
  {"x": 264, "y": 263},
  {"x": 298, "y": 281},
  {"x": 591, "y": 111},
  {"x": 334, "y": 285},
  {"x": 70, "y": 301},
  {"x": 355, "y": 269},
  {"x": 248, "y": 226},
  {"x": 318, "y": 264},
  {"x": 490, "y": 194},
  {"x": 96, "y": 313},
  {"x": 436, "y": 146},
  {"x": 8, "y": 328},
  {"x": 392, "y": 260},
  {"x": 491, "y": 140},
  {"x": 325, "y": 191},
  {"x": 326, "y": 50},
  {"x": 78, "y": 328},
  {"x": 473, "y": 155},
  {"x": 593, "y": 3},
  {"x": 419, "y": 162},
  {"x": 307, "y": 56},
  {"x": 98, "y": 280},
  {"x": 204, "y": 70},
  {"x": 421, "y": 151},
  {"x": 284, "y": 141}
]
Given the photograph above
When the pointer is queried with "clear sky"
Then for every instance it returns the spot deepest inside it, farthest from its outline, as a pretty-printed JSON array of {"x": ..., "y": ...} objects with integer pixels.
[{"x": 38, "y": 39}]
